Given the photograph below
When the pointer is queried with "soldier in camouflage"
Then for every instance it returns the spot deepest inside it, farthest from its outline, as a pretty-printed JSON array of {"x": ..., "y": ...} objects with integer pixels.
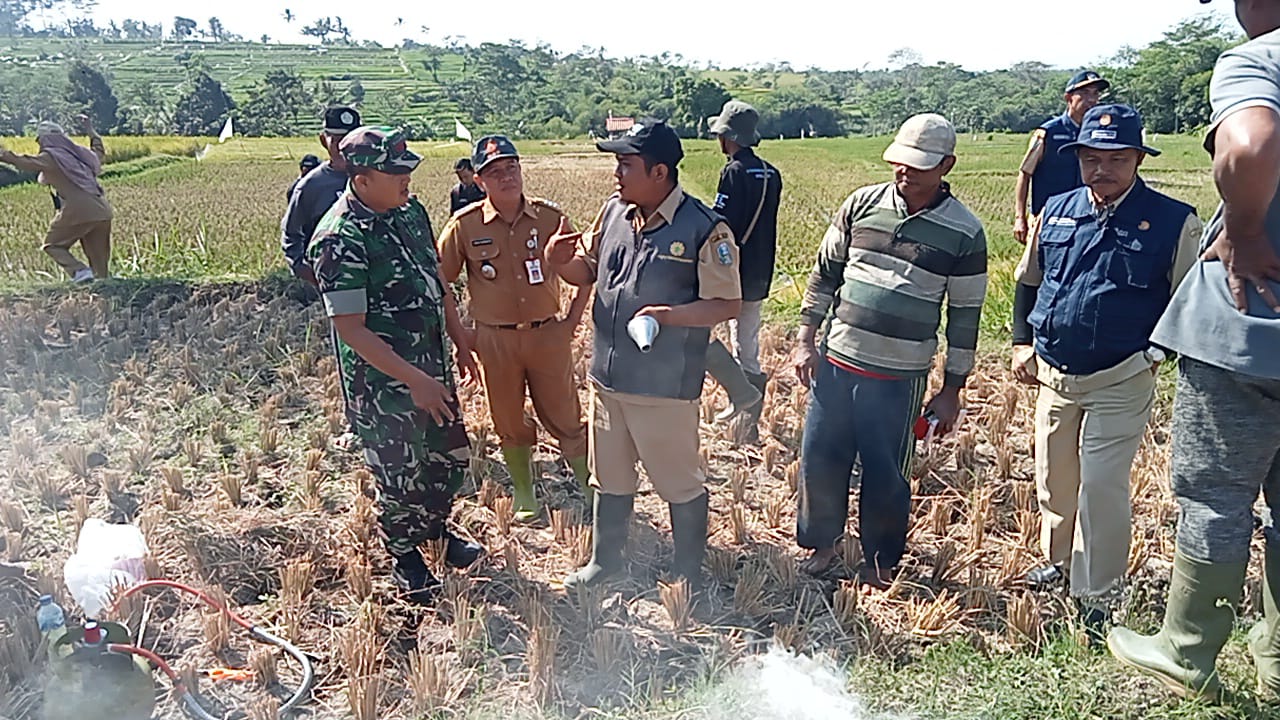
[{"x": 374, "y": 258}]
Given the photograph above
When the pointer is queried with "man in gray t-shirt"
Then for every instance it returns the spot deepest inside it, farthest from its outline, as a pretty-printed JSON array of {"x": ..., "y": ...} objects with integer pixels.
[{"x": 1224, "y": 321}]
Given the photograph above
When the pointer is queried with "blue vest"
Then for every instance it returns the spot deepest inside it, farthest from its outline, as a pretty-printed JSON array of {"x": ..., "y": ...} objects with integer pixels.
[
  {"x": 1057, "y": 172},
  {"x": 1105, "y": 284},
  {"x": 653, "y": 267}
]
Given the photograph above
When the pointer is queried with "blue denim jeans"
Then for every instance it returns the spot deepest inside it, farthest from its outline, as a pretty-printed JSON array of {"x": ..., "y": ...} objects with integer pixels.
[{"x": 853, "y": 417}]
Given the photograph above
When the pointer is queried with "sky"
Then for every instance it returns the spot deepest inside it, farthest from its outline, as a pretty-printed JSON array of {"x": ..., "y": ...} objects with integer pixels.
[{"x": 850, "y": 35}]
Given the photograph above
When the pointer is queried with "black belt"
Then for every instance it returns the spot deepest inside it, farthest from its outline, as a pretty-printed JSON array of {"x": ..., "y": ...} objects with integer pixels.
[{"x": 526, "y": 325}]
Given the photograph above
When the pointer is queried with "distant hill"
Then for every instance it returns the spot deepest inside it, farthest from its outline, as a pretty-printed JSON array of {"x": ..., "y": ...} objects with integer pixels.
[
  {"x": 239, "y": 65},
  {"x": 404, "y": 73}
]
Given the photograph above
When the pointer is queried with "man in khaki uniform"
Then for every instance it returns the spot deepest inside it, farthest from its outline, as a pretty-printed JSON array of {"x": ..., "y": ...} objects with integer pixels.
[
  {"x": 1097, "y": 274},
  {"x": 656, "y": 256},
  {"x": 84, "y": 214},
  {"x": 521, "y": 336},
  {"x": 1044, "y": 171}
]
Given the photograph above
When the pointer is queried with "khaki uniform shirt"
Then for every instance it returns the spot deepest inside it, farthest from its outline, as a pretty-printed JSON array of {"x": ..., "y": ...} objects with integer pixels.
[
  {"x": 495, "y": 256},
  {"x": 1035, "y": 152},
  {"x": 716, "y": 280}
]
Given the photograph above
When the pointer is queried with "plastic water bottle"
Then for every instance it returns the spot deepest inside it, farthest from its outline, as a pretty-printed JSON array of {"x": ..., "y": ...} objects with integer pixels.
[
  {"x": 53, "y": 624},
  {"x": 49, "y": 615}
]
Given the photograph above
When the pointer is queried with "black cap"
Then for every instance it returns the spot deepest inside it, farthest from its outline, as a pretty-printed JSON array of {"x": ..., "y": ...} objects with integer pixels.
[
  {"x": 463, "y": 164},
  {"x": 340, "y": 120},
  {"x": 309, "y": 161},
  {"x": 1084, "y": 79},
  {"x": 649, "y": 137},
  {"x": 490, "y": 148},
  {"x": 1110, "y": 127}
]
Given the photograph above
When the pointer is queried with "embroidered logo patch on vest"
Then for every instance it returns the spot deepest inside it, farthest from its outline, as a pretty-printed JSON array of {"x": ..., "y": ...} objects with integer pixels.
[
  {"x": 677, "y": 248},
  {"x": 724, "y": 253}
]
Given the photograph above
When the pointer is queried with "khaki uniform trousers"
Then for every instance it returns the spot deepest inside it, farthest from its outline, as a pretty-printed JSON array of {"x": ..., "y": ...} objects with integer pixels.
[
  {"x": 94, "y": 237},
  {"x": 1088, "y": 429},
  {"x": 541, "y": 360},
  {"x": 662, "y": 433}
]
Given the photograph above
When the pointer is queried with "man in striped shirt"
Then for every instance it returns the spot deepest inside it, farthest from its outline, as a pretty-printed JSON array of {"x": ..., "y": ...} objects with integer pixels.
[{"x": 893, "y": 252}]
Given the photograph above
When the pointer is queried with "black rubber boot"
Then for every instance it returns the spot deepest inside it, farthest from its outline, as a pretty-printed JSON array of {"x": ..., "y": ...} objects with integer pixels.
[
  {"x": 461, "y": 553},
  {"x": 608, "y": 539},
  {"x": 415, "y": 579},
  {"x": 1045, "y": 577},
  {"x": 689, "y": 534}
]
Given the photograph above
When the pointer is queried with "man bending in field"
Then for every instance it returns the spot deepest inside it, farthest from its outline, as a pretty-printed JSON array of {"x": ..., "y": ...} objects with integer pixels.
[{"x": 84, "y": 215}]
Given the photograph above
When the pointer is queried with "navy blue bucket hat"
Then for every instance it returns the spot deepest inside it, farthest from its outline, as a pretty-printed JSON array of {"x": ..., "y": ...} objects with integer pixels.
[{"x": 1110, "y": 127}]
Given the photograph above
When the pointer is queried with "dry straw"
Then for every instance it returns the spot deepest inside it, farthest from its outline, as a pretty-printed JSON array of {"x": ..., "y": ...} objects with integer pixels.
[{"x": 677, "y": 602}]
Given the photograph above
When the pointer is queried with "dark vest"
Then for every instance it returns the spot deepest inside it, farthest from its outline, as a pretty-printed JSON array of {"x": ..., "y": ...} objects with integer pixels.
[
  {"x": 654, "y": 267},
  {"x": 1105, "y": 284},
  {"x": 1057, "y": 172}
]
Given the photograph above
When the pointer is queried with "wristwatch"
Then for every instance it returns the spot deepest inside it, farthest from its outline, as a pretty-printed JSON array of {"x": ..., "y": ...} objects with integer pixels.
[{"x": 1155, "y": 354}]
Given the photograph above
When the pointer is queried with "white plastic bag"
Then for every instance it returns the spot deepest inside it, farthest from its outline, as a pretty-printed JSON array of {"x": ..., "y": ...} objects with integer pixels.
[{"x": 107, "y": 557}]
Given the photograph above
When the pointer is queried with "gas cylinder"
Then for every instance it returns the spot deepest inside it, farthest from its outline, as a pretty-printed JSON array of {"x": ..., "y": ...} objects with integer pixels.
[{"x": 90, "y": 683}]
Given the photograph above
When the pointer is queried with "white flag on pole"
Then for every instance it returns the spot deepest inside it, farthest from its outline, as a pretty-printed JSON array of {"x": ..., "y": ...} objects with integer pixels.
[
  {"x": 460, "y": 131},
  {"x": 227, "y": 132}
]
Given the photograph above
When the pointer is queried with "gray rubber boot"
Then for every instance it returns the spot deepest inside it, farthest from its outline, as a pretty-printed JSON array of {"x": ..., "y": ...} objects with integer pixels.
[
  {"x": 743, "y": 396},
  {"x": 689, "y": 535},
  {"x": 608, "y": 539},
  {"x": 1264, "y": 638},
  {"x": 747, "y": 431},
  {"x": 1201, "y": 610}
]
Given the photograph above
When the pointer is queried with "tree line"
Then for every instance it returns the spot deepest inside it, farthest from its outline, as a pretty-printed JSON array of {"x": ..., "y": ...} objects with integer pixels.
[{"x": 536, "y": 92}]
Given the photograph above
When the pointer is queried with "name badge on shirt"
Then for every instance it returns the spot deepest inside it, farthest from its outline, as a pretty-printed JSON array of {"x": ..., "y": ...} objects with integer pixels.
[{"x": 534, "y": 268}]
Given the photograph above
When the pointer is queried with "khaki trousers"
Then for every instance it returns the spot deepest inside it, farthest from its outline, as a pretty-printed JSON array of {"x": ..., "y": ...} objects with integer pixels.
[
  {"x": 662, "y": 433},
  {"x": 94, "y": 237},
  {"x": 541, "y": 360},
  {"x": 1088, "y": 428}
]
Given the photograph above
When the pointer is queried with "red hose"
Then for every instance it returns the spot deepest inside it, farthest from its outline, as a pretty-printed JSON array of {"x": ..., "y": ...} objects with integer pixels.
[
  {"x": 154, "y": 658},
  {"x": 187, "y": 589}
]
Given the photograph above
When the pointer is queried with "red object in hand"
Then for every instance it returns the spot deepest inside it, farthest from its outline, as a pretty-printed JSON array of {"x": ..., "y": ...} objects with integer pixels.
[{"x": 923, "y": 423}]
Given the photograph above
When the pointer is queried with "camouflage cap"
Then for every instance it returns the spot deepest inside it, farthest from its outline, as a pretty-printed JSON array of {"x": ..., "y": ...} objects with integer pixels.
[
  {"x": 384, "y": 149},
  {"x": 490, "y": 148}
]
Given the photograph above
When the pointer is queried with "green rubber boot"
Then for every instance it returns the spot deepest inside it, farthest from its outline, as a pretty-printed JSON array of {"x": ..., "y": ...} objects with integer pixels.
[
  {"x": 520, "y": 467},
  {"x": 743, "y": 396},
  {"x": 608, "y": 539},
  {"x": 582, "y": 473},
  {"x": 1201, "y": 610},
  {"x": 1264, "y": 638}
]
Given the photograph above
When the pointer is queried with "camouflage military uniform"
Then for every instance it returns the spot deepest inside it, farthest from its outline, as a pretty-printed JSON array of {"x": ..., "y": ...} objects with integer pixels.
[{"x": 385, "y": 265}]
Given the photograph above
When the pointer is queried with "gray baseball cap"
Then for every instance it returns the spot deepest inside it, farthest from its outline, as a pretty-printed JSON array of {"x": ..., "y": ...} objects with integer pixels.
[
  {"x": 737, "y": 121},
  {"x": 922, "y": 142}
]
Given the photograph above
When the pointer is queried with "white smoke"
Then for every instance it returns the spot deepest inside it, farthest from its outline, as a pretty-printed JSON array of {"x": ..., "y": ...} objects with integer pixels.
[{"x": 781, "y": 685}]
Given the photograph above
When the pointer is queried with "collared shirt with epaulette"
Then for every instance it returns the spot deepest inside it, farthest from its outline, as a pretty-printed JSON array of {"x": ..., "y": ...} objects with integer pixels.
[
  {"x": 497, "y": 257},
  {"x": 382, "y": 266}
]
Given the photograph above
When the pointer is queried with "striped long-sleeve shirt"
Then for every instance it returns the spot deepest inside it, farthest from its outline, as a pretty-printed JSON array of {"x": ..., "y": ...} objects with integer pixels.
[{"x": 882, "y": 275}]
